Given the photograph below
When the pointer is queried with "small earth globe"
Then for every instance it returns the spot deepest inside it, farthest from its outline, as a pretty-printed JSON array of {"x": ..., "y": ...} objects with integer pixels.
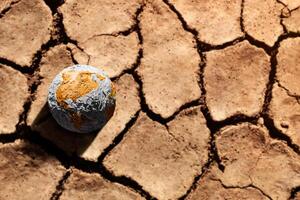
[{"x": 81, "y": 98}]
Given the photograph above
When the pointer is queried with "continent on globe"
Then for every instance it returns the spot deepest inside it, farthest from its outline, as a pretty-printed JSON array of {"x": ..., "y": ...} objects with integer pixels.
[{"x": 81, "y": 98}]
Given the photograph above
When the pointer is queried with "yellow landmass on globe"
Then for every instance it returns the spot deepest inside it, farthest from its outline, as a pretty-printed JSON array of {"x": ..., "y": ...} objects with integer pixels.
[
  {"x": 75, "y": 84},
  {"x": 113, "y": 90}
]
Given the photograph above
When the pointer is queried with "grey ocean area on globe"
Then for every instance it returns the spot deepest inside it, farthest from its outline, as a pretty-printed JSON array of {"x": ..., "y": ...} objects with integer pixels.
[{"x": 93, "y": 106}]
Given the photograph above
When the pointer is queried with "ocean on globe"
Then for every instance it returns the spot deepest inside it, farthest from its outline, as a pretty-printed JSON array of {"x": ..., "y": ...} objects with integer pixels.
[{"x": 81, "y": 98}]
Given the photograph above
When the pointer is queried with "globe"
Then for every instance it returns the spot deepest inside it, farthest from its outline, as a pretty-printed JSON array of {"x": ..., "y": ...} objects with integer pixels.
[{"x": 81, "y": 98}]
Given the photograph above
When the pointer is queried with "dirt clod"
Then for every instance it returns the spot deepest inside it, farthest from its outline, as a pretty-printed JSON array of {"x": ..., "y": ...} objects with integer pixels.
[
  {"x": 97, "y": 17},
  {"x": 23, "y": 30},
  {"x": 27, "y": 172},
  {"x": 244, "y": 167},
  {"x": 285, "y": 111},
  {"x": 262, "y": 20},
  {"x": 83, "y": 185},
  {"x": 288, "y": 73},
  {"x": 210, "y": 187},
  {"x": 171, "y": 157},
  {"x": 235, "y": 79},
  {"x": 114, "y": 54},
  {"x": 170, "y": 65},
  {"x": 216, "y": 22},
  {"x": 292, "y": 23},
  {"x": 14, "y": 93}
]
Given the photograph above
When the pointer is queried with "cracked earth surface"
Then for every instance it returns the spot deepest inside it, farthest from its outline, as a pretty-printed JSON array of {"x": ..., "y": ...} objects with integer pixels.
[{"x": 208, "y": 99}]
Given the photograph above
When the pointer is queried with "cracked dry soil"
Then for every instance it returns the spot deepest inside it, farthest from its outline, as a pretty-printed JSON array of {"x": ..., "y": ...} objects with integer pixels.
[{"x": 208, "y": 99}]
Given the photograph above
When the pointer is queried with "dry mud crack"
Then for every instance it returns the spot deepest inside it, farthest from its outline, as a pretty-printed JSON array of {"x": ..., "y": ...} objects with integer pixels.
[{"x": 208, "y": 99}]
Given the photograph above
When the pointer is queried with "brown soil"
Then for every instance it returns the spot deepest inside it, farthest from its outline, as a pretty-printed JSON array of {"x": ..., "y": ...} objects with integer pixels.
[{"x": 207, "y": 99}]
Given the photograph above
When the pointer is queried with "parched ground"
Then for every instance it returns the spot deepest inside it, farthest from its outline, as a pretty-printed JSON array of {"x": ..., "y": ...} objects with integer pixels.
[{"x": 208, "y": 99}]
